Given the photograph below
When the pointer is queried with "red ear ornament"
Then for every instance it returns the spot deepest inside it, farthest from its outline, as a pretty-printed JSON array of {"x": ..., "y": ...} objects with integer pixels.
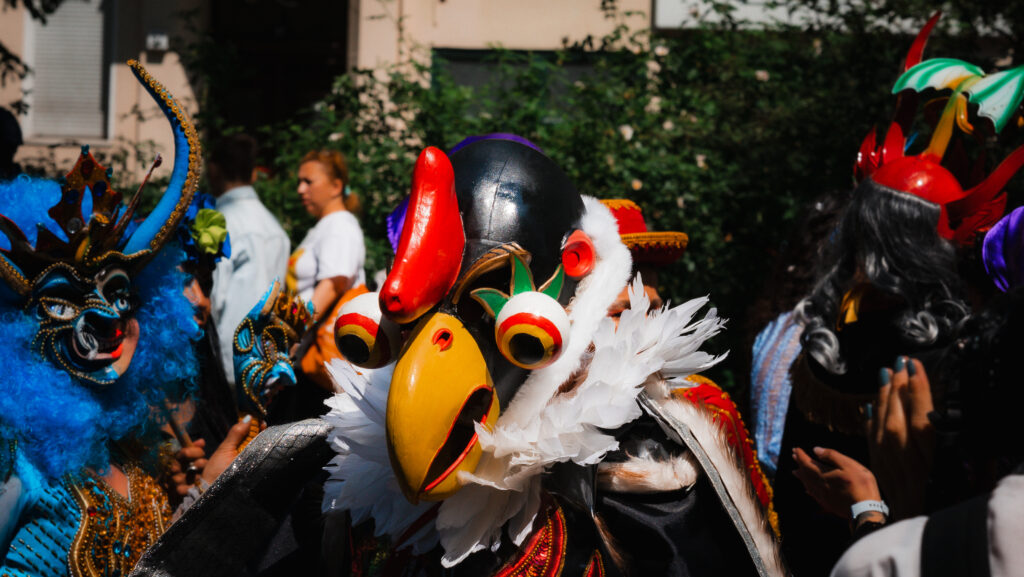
[
  {"x": 578, "y": 255},
  {"x": 430, "y": 249}
]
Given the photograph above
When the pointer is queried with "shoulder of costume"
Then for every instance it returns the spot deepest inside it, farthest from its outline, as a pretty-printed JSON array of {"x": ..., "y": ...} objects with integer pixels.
[
  {"x": 723, "y": 412},
  {"x": 716, "y": 426}
]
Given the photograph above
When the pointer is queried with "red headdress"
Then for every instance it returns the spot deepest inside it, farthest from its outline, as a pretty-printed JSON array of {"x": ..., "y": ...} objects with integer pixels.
[
  {"x": 647, "y": 246},
  {"x": 965, "y": 211}
]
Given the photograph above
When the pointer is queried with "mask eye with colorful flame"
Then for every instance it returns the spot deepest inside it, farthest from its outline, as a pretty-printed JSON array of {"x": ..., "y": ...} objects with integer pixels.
[
  {"x": 530, "y": 327},
  {"x": 86, "y": 325},
  {"x": 499, "y": 218}
]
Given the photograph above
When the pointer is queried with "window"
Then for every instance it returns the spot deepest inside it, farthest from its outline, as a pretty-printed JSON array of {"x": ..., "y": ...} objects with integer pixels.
[{"x": 67, "y": 90}]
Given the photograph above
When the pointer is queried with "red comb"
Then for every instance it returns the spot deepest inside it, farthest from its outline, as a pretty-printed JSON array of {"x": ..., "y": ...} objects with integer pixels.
[{"x": 430, "y": 249}]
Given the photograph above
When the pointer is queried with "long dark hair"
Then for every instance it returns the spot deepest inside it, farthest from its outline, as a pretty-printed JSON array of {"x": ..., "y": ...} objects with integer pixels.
[{"x": 886, "y": 239}]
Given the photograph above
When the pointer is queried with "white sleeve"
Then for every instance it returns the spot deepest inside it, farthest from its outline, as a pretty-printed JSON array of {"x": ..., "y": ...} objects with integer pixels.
[
  {"x": 1005, "y": 527},
  {"x": 893, "y": 551},
  {"x": 340, "y": 251},
  {"x": 10, "y": 509},
  {"x": 220, "y": 293},
  {"x": 237, "y": 287}
]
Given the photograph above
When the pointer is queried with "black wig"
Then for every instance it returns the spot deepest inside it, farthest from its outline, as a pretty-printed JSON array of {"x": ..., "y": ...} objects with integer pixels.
[{"x": 886, "y": 240}]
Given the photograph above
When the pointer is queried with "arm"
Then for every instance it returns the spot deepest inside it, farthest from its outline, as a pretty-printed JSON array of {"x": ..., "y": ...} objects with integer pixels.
[
  {"x": 836, "y": 482},
  {"x": 37, "y": 531},
  {"x": 327, "y": 292}
]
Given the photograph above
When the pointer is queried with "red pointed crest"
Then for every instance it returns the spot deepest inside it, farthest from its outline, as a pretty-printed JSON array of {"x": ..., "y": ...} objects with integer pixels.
[
  {"x": 430, "y": 248},
  {"x": 867, "y": 156},
  {"x": 917, "y": 48}
]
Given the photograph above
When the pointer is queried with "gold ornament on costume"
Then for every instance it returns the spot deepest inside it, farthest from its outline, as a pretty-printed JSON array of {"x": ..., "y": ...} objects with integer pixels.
[{"x": 115, "y": 530}]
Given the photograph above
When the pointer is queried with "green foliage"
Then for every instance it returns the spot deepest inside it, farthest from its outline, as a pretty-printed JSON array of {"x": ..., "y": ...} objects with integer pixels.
[{"x": 721, "y": 131}]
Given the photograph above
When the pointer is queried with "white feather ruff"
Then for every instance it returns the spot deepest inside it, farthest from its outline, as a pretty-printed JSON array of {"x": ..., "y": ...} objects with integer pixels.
[
  {"x": 361, "y": 479},
  {"x": 588, "y": 308},
  {"x": 540, "y": 427}
]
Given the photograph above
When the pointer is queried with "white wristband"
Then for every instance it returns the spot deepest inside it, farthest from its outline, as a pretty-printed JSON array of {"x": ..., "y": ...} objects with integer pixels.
[{"x": 861, "y": 507}]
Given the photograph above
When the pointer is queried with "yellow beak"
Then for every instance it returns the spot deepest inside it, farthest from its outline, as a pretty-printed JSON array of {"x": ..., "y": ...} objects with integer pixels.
[{"x": 440, "y": 388}]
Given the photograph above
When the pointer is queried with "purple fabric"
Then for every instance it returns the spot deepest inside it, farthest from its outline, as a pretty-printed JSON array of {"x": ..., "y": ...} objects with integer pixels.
[
  {"x": 395, "y": 221},
  {"x": 1003, "y": 251},
  {"x": 495, "y": 136}
]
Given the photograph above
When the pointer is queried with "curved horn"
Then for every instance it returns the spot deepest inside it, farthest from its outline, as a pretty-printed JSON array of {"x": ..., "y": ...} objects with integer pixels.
[
  {"x": 917, "y": 48},
  {"x": 867, "y": 156},
  {"x": 161, "y": 223},
  {"x": 991, "y": 187}
]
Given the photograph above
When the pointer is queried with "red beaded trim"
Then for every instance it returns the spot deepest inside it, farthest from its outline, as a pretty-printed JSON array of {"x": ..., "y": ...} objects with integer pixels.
[{"x": 544, "y": 554}]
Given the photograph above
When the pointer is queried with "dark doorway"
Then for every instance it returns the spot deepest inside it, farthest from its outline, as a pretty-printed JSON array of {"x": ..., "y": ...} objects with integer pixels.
[{"x": 280, "y": 56}]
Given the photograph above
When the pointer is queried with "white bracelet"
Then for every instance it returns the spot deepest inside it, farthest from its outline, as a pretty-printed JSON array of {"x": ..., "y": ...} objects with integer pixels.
[{"x": 861, "y": 507}]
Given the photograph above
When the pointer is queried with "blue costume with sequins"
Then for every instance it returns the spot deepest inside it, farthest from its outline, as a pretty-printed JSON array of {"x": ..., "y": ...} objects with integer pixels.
[{"x": 96, "y": 331}]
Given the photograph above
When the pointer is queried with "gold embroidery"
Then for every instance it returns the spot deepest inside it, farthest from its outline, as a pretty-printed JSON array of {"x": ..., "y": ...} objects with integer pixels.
[{"x": 115, "y": 531}]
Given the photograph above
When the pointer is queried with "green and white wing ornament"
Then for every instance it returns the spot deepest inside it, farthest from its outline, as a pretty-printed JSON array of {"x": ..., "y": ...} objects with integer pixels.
[{"x": 997, "y": 95}]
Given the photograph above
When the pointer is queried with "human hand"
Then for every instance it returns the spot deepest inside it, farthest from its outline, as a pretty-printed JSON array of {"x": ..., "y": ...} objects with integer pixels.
[
  {"x": 901, "y": 437},
  {"x": 834, "y": 480},
  {"x": 188, "y": 464},
  {"x": 225, "y": 454}
]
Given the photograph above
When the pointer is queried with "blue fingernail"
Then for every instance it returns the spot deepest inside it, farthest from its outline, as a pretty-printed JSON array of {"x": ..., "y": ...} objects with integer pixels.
[
  {"x": 911, "y": 369},
  {"x": 883, "y": 377},
  {"x": 900, "y": 363}
]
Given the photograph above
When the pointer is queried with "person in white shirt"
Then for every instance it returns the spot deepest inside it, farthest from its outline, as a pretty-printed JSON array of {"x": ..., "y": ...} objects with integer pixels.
[
  {"x": 327, "y": 268},
  {"x": 259, "y": 246}
]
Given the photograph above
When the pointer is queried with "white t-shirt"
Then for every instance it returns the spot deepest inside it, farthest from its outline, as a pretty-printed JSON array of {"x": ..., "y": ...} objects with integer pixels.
[{"x": 332, "y": 248}]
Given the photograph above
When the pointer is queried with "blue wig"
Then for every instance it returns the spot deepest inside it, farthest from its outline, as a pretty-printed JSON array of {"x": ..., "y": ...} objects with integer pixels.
[{"x": 58, "y": 423}]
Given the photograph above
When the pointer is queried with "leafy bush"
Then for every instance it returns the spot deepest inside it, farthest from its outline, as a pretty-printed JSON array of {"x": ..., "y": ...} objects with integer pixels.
[{"x": 721, "y": 131}]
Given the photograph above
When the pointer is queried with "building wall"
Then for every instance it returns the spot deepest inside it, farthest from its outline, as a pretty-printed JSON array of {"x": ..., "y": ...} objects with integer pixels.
[
  {"x": 388, "y": 27},
  {"x": 12, "y": 33},
  {"x": 382, "y": 32},
  {"x": 132, "y": 116}
]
